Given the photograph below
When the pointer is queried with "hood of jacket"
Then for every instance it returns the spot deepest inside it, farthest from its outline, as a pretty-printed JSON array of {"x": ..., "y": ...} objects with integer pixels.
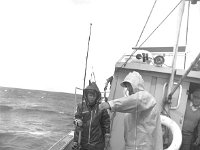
[
  {"x": 136, "y": 81},
  {"x": 92, "y": 86}
]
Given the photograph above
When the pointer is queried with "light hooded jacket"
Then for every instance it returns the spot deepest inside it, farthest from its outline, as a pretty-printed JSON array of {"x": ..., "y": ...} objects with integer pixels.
[
  {"x": 96, "y": 124},
  {"x": 142, "y": 124}
]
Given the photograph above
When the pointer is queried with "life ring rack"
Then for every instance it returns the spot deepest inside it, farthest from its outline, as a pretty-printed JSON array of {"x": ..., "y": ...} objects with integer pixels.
[{"x": 177, "y": 135}]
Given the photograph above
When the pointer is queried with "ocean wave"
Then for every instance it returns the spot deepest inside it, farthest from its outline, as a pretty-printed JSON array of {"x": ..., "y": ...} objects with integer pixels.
[
  {"x": 27, "y": 109},
  {"x": 8, "y": 147},
  {"x": 37, "y": 110},
  {"x": 23, "y": 141},
  {"x": 34, "y": 133},
  {"x": 5, "y": 108},
  {"x": 34, "y": 121}
]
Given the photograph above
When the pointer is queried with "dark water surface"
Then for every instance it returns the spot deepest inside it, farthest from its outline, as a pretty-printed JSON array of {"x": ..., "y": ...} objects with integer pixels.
[{"x": 32, "y": 119}]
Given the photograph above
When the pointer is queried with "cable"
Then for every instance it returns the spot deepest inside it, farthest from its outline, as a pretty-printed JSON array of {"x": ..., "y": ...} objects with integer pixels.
[
  {"x": 146, "y": 23},
  {"x": 141, "y": 33},
  {"x": 161, "y": 23},
  {"x": 124, "y": 64}
]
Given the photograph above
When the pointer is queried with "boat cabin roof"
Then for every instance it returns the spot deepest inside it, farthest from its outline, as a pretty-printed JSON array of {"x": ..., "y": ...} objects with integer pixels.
[
  {"x": 155, "y": 70},
  {"x": 160, "y": 49}
]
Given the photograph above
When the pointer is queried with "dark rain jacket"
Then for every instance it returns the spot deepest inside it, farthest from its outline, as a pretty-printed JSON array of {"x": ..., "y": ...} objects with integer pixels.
[
  {"x": 95, "y": 123},
  {"x": 142, "y": 124}
]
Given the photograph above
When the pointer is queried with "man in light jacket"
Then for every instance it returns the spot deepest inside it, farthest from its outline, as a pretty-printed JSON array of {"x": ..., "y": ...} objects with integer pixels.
[{"x": 142, "y": 124}]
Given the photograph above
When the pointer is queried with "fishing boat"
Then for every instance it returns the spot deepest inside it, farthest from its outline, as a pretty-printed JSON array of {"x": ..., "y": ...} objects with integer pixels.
[{"x": 167, "y": 83}]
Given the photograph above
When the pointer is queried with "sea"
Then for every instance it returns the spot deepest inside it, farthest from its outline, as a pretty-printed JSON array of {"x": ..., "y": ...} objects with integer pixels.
[{"x": 34, "y": 119}]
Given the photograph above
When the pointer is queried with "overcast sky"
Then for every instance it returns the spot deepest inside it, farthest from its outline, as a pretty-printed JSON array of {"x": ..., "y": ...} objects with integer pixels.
[{"x": 43, "y": 43}]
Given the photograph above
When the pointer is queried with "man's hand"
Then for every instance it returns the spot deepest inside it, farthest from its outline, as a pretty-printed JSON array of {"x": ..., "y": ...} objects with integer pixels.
[
  {"x": 75, "y": 146},
  {"x": 78, "y": 122},
  {"x": 104, "y": 105},
  {"x": 197, "y": 141}
]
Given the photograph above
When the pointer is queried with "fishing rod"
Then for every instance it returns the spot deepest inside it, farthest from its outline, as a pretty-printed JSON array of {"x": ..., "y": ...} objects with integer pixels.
[
  {"x": 87, "y": 56},
  {"x": 79, "y": 134}
]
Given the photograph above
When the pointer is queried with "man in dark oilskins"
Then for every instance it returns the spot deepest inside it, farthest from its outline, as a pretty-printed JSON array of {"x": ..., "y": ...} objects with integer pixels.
[{"x": 94, "y": 124}]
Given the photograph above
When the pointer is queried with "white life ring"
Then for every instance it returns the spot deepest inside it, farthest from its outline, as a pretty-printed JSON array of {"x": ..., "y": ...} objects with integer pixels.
[{"x": 177, "y": 135}]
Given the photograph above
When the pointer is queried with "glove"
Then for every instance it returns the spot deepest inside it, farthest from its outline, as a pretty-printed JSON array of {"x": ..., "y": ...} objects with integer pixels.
[
  {"x": 75, "y": 146},
  {"x": 104, "y": 105},
  {"x": 107, "y": 141},
  {"x": 78, "y": 122},
  {"x": 197, "y": 141}
]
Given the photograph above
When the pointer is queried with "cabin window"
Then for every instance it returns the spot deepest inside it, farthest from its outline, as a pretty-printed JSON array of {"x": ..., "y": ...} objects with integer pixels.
[{"x": 192, "y": 87}]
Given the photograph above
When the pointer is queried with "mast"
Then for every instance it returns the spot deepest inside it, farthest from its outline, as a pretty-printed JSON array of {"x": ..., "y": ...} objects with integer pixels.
[
  {"x": 171, "y": 91},
  {"x": 171, "y": 80}
]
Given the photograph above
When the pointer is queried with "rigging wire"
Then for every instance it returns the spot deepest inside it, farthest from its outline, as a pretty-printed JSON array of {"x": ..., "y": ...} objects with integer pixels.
[
  {"x": 141, "y": 33},
  {"x": 152, "y": 32},
  {"x": 161, "y": 22},
  {"x": 146, "y": 23}
]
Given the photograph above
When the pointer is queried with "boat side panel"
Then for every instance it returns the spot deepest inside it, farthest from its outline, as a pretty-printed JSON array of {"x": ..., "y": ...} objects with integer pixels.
[{"x": 65, "y": 143}]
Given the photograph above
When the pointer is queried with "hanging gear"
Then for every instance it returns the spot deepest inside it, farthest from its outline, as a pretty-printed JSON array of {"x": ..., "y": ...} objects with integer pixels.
[{"x": 92, "y": 78}]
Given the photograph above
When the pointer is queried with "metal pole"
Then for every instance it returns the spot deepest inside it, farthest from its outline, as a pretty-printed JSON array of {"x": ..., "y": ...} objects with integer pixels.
[
  {"x": 185, "y": 75},
  {"x": 171, "y": 80}
]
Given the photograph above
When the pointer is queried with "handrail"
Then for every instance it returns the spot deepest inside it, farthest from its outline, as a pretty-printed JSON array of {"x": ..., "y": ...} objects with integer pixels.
[{"x": 179, "y": 96}]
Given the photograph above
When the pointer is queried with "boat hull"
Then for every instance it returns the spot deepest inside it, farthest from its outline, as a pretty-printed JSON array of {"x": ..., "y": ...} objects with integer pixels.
[{"x": 65, "y": 143}]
